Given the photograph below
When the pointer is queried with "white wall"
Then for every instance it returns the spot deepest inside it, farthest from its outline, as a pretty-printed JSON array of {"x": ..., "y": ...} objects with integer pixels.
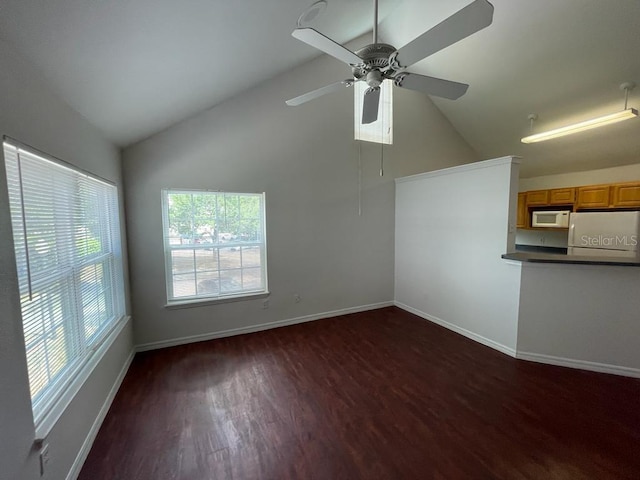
[
  {"x": 624, "y": 173},
  {"x": 452, "y": 226},
  {"x": 305, "y": 159},
  {"x": 582, "y": 316},
  {"x": 32, "y": 114}
]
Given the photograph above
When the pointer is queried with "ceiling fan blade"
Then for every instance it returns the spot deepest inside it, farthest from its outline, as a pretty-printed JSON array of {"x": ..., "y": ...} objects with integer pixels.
[
  {"x": 334, "y": 87},
  {"x": 370, "y": 105},
  {"x": 431, "y": 85},
  {"x": 472, "y": 18},
  {"x": 316, "y": 39}
]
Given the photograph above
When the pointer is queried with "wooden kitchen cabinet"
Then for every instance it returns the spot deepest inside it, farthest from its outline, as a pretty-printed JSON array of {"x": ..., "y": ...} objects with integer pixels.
[
  {"x": 610, "y": 196},
  {"x": 562, "y": 196},
  {"x": 538, "y": 197},
  {"x": 626, "y": 195},
  {"x": 522, "y": 221},
  {"x": 593, "y": 196}
]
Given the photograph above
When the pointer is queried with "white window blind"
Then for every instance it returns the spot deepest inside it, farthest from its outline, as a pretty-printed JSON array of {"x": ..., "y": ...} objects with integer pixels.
[
  {"x": 380, "y": 131},
  {"x": 215, "y": 244},
  {"x": 68, "y": 255}
]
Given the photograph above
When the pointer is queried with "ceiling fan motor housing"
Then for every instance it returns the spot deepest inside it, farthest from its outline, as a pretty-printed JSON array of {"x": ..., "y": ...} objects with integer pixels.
[{"x": 375, "y": 57}]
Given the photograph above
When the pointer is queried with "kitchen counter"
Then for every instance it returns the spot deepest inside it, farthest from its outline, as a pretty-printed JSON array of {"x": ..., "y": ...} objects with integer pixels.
[{"x": 542, "y": 257}]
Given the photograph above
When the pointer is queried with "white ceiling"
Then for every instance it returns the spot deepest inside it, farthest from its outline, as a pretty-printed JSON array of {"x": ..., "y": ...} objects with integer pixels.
[{"x": 135, "y": 67}]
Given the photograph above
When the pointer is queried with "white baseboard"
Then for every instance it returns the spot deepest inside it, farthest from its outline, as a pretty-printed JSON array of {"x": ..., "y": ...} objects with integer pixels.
[
  {"x": 462, "y": 331},
  {"x": 580, "y": 364},
  {"x": 533, "y": 357},
  {"x": 93, "y": 432},
  {"x": 257, "y": 328}
]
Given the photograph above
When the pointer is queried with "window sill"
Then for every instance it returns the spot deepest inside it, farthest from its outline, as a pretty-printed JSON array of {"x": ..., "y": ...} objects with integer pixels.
[{"x": 202, "y": 302}]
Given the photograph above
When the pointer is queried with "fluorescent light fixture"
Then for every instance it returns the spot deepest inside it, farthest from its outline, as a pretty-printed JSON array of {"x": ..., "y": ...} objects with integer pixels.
[{"x": 582, "y": 126}]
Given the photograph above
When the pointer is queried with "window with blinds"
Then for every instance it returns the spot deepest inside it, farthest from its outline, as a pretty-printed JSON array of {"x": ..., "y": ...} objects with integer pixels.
[{"x": 68, "y": 254}]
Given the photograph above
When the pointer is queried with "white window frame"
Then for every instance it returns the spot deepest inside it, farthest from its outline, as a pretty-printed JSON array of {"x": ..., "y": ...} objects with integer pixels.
[
  {"x": 380, "y": 131},
  {"x": 24, "y": 165},
  {"x": 215, "y": 244}
]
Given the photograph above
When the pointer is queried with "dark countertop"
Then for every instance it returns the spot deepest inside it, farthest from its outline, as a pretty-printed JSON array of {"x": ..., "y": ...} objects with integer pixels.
[{"x": 542, "y": 257}]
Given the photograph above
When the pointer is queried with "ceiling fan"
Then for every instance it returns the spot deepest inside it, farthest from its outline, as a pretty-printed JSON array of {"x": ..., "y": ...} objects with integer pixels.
[{"x": 377, "y": 62}]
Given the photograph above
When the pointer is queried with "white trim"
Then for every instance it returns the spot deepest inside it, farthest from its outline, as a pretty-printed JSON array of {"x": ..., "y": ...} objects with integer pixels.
[
  {"x": 257, "y": 328},
  {"x": 580, "y": 364},
  {"x": 47, "y": 422},
  {"x": 461, "y": 168},
  {"x": 462, "y": 331},
  {"x": 201, "y": 302},
  {"x": 93, "y": 431}
]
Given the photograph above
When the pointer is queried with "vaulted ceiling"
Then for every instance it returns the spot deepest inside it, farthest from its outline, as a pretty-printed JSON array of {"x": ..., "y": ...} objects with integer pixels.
[{"x": 135, "y": 67}]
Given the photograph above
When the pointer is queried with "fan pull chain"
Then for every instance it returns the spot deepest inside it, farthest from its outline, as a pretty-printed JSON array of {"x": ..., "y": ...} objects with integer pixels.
[
  {"x": 359, "y": 178},
  {"x": 382, "y": 159}
]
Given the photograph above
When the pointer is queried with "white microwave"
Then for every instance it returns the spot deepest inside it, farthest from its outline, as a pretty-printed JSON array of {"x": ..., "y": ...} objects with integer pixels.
[{"x": 550, "y": 218}]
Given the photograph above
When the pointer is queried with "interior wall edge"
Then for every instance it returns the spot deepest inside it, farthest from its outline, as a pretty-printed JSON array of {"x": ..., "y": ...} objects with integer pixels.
[{"x": 468, "y": 167}]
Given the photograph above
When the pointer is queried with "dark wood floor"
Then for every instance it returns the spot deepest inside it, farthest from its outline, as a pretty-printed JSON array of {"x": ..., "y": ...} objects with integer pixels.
[{"x": 377, "y": 395}]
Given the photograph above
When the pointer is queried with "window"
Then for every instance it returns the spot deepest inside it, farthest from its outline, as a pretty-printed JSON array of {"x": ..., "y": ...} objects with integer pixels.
[
  {"x": 380, "y": 131},
  {"x": 214, "y": 245},
  {"x": 68, "y": 256}
]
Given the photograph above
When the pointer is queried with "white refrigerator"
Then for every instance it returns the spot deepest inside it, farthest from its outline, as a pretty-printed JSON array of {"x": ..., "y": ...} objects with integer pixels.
[{"x": 607, "y": 234}]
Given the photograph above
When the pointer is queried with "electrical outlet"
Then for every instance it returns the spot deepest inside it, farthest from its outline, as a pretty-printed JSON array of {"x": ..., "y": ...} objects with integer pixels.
[
  {"x": 265, "y": 304},
  {"x": 296, "y": 297},
  {"x": 44, "y": 458}
]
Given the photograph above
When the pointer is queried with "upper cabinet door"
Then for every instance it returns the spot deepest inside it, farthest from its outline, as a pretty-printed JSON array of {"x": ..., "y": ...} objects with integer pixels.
[
  {"x": 538, "y": 197},
  {"x": 562, "y": 196},
  {"x": 626, "y": 195},
  {"x": 594, "y": 196}
]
